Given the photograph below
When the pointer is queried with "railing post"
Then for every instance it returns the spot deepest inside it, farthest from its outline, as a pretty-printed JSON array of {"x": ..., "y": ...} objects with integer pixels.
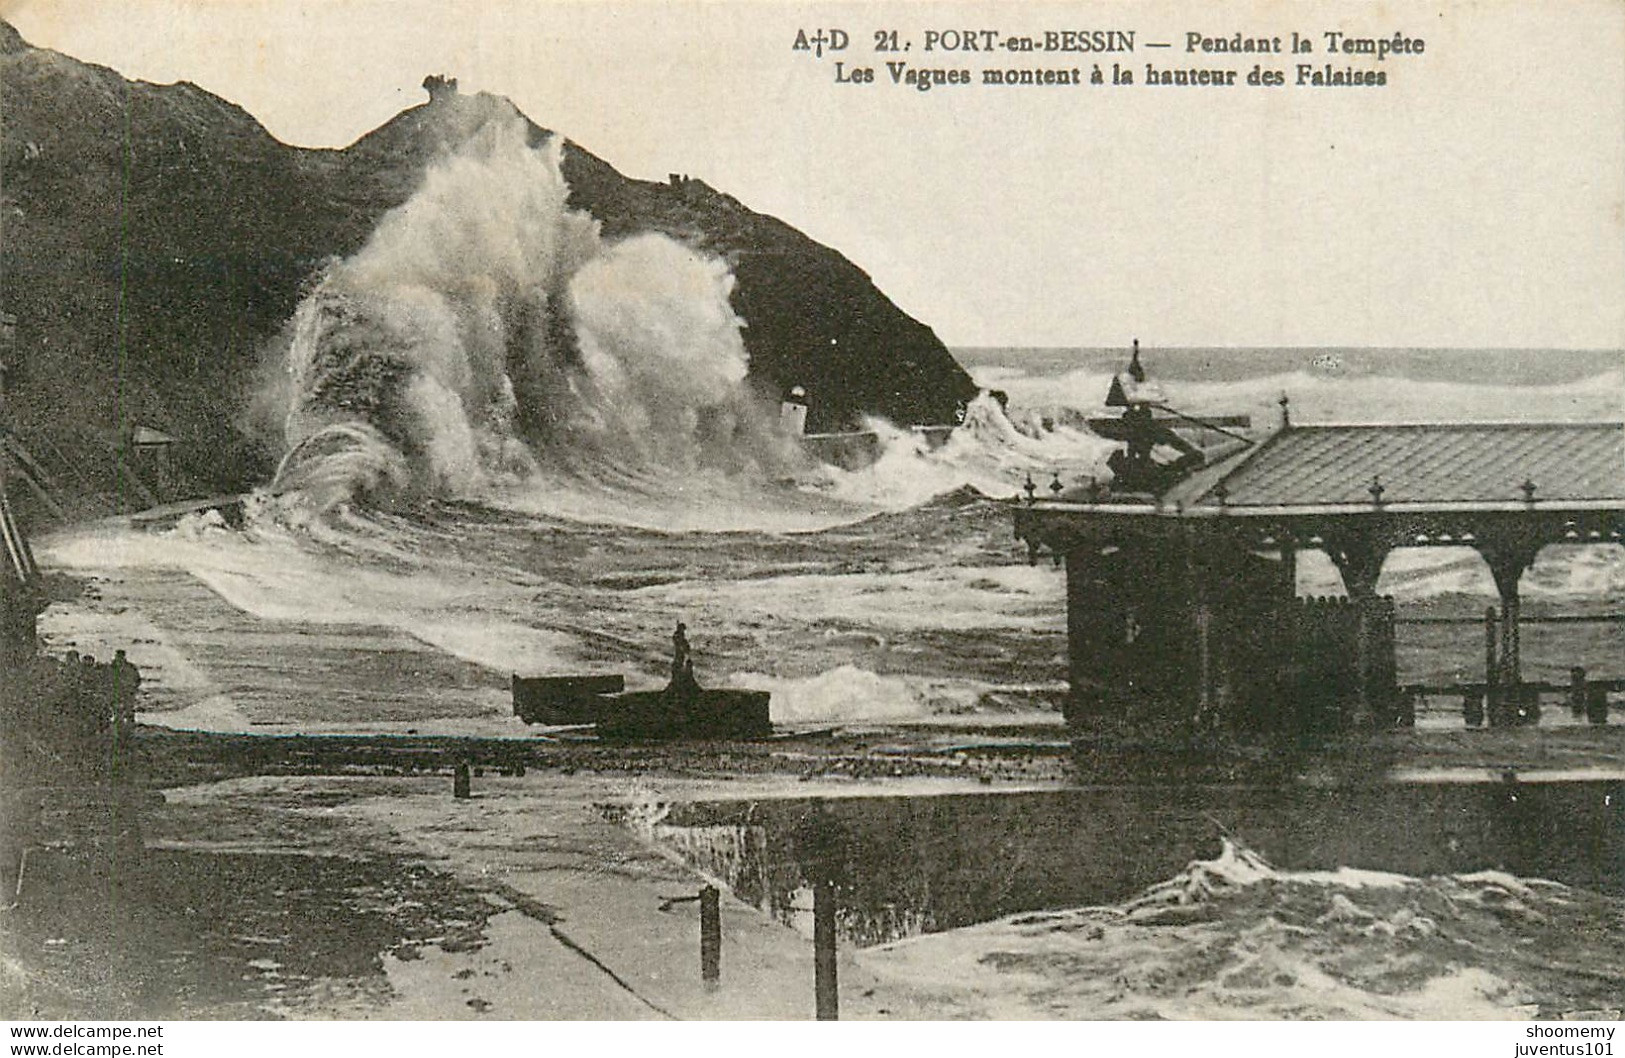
[
  {"x": 1597, "y": 703},
  {"x": 710, "y": 936},
  {"x": 824, "y": 969},
  {"x": 1472, "y": 707}
]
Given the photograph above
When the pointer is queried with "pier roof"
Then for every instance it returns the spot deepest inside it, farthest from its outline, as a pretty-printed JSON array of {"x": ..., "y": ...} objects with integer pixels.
[
  {"x": 1401, "y": 485},
  {"x": 1429, "y": 463}
]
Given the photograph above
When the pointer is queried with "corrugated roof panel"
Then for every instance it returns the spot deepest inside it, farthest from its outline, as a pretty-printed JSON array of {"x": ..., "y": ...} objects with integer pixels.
[{"x": 1433, "y": 463}]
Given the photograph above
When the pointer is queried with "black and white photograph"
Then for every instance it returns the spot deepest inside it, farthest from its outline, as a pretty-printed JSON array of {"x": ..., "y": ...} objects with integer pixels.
[{"x": 622, "y": 511}]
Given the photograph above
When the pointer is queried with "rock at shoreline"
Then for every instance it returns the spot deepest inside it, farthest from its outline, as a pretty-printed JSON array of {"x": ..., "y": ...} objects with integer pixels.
[{"x": 158, "y": 237}]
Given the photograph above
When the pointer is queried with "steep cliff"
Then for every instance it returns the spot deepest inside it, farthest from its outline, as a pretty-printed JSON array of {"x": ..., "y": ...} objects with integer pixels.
[{"x": 156, "y": 237}]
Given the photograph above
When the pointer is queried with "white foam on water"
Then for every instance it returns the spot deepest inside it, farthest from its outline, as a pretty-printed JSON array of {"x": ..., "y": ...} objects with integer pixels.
[
  {"x": 988, "y": 452},
  {"x": 1234, "y": 937},
  {"x": 850, "y": 693},
  {"x": 1331, "y": 398},
  {"x": 957, "y": 598},
  {"x": 462, "y": 610}
]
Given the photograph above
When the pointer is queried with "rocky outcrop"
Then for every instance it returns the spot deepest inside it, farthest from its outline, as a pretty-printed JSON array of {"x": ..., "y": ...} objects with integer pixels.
[{"x": 157, "y": 237}]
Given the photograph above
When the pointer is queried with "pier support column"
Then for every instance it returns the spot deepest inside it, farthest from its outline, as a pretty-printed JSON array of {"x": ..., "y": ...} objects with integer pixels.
[
  {"x": 1201, "y": 626},
  {"x": 1359, "y": 559},
  {"x": 1289, "y": 568},
  {"x": 826, "y": 990},
  {"x": 1099, "y": 616},
  {"x": 1204, "y": 660},
  {"x": 710, "y": 936},
  {"x": 1508, "y": 556},
  {"x": 822, "y": 844}
]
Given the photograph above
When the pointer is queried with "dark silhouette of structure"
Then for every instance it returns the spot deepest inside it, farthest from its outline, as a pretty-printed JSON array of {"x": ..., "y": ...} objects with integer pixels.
[
  {"x": 683, "y": 688},
  {"x": 1181, "y": 572},
  {"x": 439, "y": 85},
  {"x": 681, "y": 709}
]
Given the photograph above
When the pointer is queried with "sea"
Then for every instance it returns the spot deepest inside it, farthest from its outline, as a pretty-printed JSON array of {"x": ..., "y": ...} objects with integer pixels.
[{"x": 514, "y": 446}]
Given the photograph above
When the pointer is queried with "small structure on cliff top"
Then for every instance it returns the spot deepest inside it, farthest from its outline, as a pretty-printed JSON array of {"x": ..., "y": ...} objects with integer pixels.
[
  {"x": 1181, "y": 572},
  {"x": 151, "y": 449}
]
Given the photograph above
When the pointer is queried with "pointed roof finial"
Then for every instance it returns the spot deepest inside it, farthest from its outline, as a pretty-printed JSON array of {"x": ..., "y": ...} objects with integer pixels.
[
  {"x": 1135, "y": 371},
  {"x": 1376, "y": 489},
  {"x": 1286, "y": 411}
]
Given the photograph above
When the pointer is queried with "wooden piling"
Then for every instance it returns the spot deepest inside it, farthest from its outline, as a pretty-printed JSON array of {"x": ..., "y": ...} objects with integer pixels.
[
  {"x": 710, "y": 936},
  {"x": 1512, "y": 664},
  {"x": 1577, "y": 691},
  {"x": 824, "y": 969},
  {"x": 1472, "y": 706},
  {"x": 1364, "y": 711},
  {"x": 1596, "y": 704}
]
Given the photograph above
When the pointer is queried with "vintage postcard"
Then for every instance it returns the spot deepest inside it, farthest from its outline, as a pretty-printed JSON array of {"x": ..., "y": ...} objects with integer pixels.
[{"x": 526, "y": 510}]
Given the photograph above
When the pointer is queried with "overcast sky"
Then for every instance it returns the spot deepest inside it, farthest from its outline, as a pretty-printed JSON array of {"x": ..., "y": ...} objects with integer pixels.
[{"x": 1476, "y": 200}]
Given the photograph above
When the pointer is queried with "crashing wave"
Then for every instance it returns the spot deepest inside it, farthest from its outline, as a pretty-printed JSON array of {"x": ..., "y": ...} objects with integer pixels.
[
  {"x": 1235, "y": 937},
  {"x": 988, "y": 452},
  {"x": 1317, "y": 397},
  {"x": 487, "y": 340}
]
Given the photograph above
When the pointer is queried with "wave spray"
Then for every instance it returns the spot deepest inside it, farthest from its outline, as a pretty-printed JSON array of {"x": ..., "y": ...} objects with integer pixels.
[{"x": 488, "y": 343}]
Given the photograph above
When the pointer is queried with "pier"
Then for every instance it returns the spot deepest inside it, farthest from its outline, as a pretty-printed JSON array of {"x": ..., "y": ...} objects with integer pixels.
[{"x": 1181, "y": 574}]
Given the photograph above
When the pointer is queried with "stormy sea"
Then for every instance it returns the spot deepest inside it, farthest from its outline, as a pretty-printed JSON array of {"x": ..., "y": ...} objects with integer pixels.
[{"x": 513, "y": 446}]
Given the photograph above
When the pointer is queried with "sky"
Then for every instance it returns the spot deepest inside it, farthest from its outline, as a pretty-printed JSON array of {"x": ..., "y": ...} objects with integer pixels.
[{"x": 1475, "y": 200}]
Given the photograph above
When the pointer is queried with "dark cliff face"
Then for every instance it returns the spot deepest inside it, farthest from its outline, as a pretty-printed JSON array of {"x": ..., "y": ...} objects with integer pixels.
[{"x": 157, "y": 237}]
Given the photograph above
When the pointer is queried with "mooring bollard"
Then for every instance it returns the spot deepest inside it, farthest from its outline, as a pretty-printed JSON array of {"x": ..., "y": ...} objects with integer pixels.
[
  {"x": 461, "y": 784},
  {"x": 824, "y": 973},
  {"x": 710, "y": 936}
]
